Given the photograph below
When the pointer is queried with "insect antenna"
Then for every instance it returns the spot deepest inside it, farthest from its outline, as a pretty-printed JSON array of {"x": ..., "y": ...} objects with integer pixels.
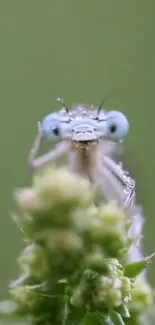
[
  {"x": 101, "y": 104},
  {"x": 61, "y": 101}
]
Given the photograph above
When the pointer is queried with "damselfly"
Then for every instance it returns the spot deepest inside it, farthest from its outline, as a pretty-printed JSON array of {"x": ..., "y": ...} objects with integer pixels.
[
  {"x": 89, "y": 136},
  {"x": 86, "y": 135}
]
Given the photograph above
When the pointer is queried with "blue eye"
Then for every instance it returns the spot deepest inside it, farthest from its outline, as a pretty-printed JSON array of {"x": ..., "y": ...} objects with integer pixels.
[
  {"x": 117, "y": 126},
  {"x": 51, "y": 127}
]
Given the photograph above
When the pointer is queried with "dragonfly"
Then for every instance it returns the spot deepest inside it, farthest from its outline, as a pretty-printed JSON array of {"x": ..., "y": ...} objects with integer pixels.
[{"x": 87, "y": 136}]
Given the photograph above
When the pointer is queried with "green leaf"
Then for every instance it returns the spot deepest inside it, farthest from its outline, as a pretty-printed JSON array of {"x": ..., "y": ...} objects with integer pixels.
[
  {"x": 74, "y": 315},
  {"x": 122, "y": 254},
  {"x": 24, "y": 279},
  {"x": 133, "y": 269},
  {"x": 104, "y": 319},
  {"x": 116, "y": 317},
  {"x": 123, "y": 310},
  {"x": 57, "y": 289}
]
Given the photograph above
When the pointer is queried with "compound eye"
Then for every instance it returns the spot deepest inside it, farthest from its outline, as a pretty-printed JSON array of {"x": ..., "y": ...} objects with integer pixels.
[
  {"x": 51, "y": 127},
  {"x": 117, "y": 126}
]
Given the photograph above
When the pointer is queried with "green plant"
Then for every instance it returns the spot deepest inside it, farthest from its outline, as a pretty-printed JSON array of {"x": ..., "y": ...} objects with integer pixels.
[{"x": 74, "y": 264}]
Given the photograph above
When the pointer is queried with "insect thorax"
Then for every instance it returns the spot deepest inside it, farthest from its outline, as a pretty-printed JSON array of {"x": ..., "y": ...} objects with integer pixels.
[{"x": 81, "y": 112}]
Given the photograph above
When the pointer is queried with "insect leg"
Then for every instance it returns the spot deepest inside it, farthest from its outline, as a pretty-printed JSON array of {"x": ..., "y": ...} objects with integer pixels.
[
  {"x": 109, "y": 185},
  {"x": 34, "y": 162},
  {"x": 136, "y": 252},
  {"x": 127, "y": 183}
]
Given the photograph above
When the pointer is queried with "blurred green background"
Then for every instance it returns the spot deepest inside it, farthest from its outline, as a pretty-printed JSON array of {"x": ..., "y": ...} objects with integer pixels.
[{"x": 78, "y": 50}]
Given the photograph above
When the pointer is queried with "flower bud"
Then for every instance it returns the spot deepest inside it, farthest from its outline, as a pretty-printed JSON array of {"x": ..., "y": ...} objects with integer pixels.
[
  {"x": 33, "y": 259},
  {"x": 141, "y": 297},
  {"x": 26, "y": 299}
]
